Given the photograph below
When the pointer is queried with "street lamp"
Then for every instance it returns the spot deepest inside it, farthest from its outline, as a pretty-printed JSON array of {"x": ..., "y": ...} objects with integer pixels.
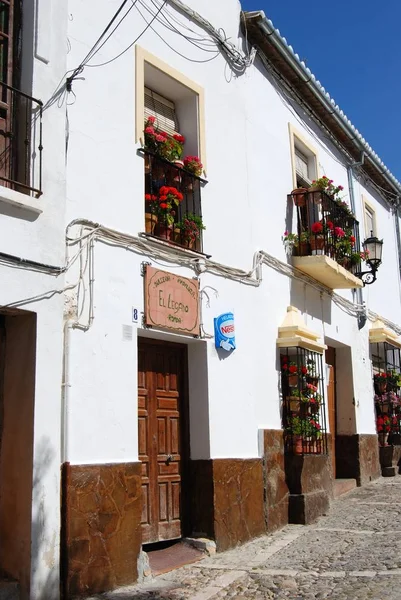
[{"x": 373, "y": 248}]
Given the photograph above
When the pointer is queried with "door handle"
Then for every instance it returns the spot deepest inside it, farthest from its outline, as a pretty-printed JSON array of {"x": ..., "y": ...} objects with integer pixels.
[{"x": 169, "y": 459}]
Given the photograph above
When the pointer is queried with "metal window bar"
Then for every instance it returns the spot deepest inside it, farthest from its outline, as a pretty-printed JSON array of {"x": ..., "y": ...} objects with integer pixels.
[
  {"x": 318, "y": 207},
  {"x": 386, "y": 360},
  {"x": 303, "y": 401},
  {"x": 158, "y": 173},
  {"x": 20, "y": 141}
]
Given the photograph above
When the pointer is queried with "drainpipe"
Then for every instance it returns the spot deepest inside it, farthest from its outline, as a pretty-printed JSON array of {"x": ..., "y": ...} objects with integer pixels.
[
  {"x": 397, "y": 230},
  {"x": 350, "y": 175}
]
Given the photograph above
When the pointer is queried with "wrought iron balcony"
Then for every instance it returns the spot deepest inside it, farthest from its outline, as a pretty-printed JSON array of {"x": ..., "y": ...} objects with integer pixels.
[
  {"x": 20, "y": 141},
  {"x": 327, "y": 243},
  {"x": 172, "y": 202}
]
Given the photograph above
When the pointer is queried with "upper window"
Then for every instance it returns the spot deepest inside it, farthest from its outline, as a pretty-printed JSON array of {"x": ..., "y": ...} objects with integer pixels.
[
  {"x": 370, "y": 220},
  {"x": 304, "y": 160},
  {"x": 171, "y": 129}
]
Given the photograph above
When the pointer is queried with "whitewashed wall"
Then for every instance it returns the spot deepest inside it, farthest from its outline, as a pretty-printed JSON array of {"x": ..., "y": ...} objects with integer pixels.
[{"x": 244, "y": 209}]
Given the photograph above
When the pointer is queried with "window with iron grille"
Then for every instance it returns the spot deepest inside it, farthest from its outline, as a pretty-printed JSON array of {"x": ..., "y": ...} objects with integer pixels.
[
  {"x": 304, "y": 413},
  {"x": 172, "y": 186},
  {"x": 386, "y": 361}
]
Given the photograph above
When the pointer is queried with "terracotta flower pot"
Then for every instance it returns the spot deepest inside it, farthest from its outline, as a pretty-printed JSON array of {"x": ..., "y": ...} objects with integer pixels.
[
  {"x": 294, "y": 404},
  {"x": 317, "y": 244},
  {"x": 293, "y": 380},
  {"x": 297, "y": 444},
  {"x": 302, "y": 249},
  {"x": 299, "y": 196},
  {"x": 150, "y": 222},
  {"x": 317, "y": 194},
  {"x": 163, "y": 230}
]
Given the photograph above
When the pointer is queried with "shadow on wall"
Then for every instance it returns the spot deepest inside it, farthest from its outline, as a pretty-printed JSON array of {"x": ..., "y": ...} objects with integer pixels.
[{"x": 310, "y": 301}]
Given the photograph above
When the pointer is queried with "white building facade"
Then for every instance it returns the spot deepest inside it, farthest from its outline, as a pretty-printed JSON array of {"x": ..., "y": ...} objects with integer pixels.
[{"x": 159, "y": 434}]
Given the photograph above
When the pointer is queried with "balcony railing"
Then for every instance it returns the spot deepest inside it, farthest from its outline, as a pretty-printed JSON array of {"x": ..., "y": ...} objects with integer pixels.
[
  {"x": 387, "y": 385},
  {"x": 181, "y": 222},
  {"x": 20, "y": 141},
  {"x": 325, "y": 227}
]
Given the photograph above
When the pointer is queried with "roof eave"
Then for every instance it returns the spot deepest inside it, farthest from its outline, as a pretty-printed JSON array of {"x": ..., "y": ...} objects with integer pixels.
[{"x": 262, "y": 33}]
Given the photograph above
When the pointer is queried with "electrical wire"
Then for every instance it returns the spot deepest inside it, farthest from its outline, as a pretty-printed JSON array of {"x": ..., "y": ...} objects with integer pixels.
[
  {"x": 107, "y": 62},
  {"x": 171, "y": 47}
]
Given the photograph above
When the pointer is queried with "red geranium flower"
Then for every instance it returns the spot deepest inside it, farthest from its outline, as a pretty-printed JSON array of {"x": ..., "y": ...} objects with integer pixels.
[
  {"x": 317, "y": 228},
  {"x": 352, "y": 239},
  {"x": 293, "y": 369},
  {"x": 304, "y": 370},
  {"x": 163, "y": 205},
  {"x": 330, "y": 225},
  {"x": 285, "y": 367}
]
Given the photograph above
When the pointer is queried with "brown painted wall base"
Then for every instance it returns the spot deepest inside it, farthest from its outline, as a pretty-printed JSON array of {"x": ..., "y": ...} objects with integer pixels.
[
  {"x": 276, "y": 489},
  {"x": 227, "y": 500},
  {"x": 309, "y": 480},
  {"x": 358, "y": 457},
  {"x": 390, "y": 460},
  {"x": 101, "y": 527}
]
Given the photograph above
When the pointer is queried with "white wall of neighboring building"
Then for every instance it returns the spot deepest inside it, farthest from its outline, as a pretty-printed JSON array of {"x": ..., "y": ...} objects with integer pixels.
[
  {"x": 244, "y": 208},
  {"x": 40, "y": 237}
]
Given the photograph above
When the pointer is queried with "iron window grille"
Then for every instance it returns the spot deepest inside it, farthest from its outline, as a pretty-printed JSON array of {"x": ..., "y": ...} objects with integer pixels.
[
  {"x": 303, "y": 401},
  {"x": 318, "y": 207},
  {"x": 386, "y": 361},
  {"x": 158, "y": 173}
]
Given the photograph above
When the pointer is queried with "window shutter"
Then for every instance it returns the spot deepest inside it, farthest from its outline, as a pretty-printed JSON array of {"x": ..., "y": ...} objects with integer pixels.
[
  {"x": 301, "y": 165},
  {"x": 163, "y": 110}
]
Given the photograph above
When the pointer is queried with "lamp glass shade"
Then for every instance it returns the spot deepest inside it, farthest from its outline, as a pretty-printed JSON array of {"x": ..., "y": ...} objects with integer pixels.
[{"x": 374, "y": 248}]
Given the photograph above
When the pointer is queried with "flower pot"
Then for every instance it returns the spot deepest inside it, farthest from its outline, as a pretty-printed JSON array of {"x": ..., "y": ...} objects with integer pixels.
[
  {"x": 293, "y": 380},
  {"x": 384, "y": 407},
  {"x": 150, "y": 222},
  {"x": 302, "y": 249},
  {"x": 313, "y": 407},
  {"x": 294, "y": 404},
  {"x": 317, "y": 244},
  {"x": 163, "y": 230},
  {"x": 317, "y": 194},
  {"x": 383, "y": 437},
  {"x": 299, "y": 196},
  {"x": 297, "y": 444}
]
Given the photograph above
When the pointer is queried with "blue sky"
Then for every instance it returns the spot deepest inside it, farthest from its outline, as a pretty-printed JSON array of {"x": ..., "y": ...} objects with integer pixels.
[{"x": 353, "y": 48}]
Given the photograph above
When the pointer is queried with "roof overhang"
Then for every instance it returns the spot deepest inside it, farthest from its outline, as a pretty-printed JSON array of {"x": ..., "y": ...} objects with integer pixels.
[{"x": 261, "y": 33}]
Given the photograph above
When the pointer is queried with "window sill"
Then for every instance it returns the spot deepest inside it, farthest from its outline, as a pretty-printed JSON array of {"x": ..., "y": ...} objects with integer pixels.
[{"x": 21, "y": 201}]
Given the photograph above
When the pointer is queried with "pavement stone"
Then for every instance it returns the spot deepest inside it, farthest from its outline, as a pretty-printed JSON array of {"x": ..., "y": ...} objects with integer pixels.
[{"x": 352, "y": 553}]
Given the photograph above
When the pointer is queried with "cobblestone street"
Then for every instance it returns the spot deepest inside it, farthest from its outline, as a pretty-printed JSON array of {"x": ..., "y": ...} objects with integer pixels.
[{"x": 352, "y": 553}]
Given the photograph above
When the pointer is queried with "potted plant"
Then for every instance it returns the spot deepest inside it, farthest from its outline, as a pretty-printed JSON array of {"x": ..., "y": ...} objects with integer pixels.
[
  {"x": 189, "y": 229},
  {"x": 380, "y": 381},
  {"x": 299, "y": 197},
  {"x": 383, "y": 424},
  {"x": 173, "y": 148},
  {"x": 193, "y": 165},
  {"x": 289, "y": 241},
  {"x": 317, "y": 238},
  {"x": 151, "y": 205},
  {"x": 169, "y": 197},
  {"x": 293, "y": 371}
]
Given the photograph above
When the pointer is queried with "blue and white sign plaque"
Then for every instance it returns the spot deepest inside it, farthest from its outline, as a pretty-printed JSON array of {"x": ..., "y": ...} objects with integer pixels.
[{"x": 224, "y": 332}]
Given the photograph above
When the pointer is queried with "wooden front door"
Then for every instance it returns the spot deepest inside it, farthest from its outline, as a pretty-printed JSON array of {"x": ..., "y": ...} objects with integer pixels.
[
  {"x": 331, "y": 402},
  {"x": 161, "y": 420}
]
